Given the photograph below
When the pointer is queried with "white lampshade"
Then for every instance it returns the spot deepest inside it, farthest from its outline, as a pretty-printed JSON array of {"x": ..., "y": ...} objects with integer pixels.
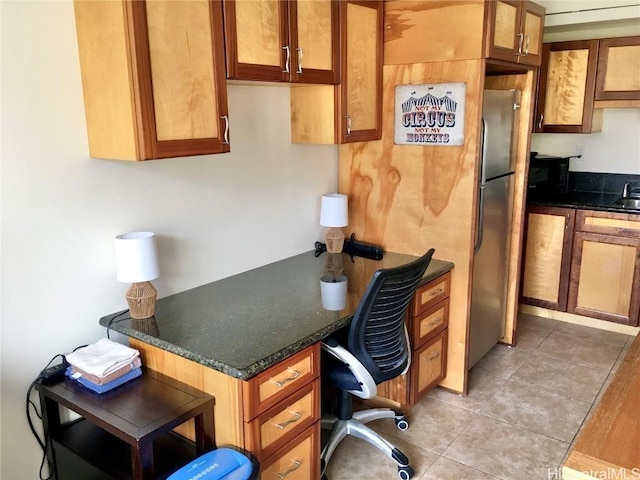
[
  {"x": 334, "y": 210},
  {"x": 136, "y": 257}
]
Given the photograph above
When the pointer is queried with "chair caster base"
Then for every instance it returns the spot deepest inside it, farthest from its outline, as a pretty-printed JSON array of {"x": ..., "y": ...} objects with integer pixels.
[
  {"x": 405, "y": 473},
  {"x": 402, "y": 423}
]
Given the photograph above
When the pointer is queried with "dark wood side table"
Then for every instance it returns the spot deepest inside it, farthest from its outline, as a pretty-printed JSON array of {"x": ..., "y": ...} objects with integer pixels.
[{"x": 126, "y": 432}]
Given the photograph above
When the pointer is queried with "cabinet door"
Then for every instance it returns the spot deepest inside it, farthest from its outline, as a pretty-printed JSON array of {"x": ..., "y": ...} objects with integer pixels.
[
  {"x": 153, "y": 88},
  {"x": 567, "y": 85},
  {"x": 257, "y": 39},
  {"x": 547, "y": 257},
  {"x": 605, "y": 277},
  {"x": 532, "y": 28},
  {"x": 315, "y": 41},
  {"x": 618, "y": 75},
  {"x": 360, "y": 93},
  {"x": 282, "y": 41},
  {"x": 504, "y": 38}
]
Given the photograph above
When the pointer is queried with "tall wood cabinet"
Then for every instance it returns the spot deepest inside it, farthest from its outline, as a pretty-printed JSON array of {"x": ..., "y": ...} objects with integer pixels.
[
  {"x": 567, "y": 87},
  {"x": 286, "y": 41},
  {"x": 514, "y": 31},
  {"x": 153, "y": 78},
  {"x": 352, "y": 110}
]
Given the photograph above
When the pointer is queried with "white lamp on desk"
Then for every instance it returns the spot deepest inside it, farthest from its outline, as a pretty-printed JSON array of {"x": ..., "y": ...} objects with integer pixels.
[
  {"x": 335, "y": 215},
  {"x": 137, "y": 263}
]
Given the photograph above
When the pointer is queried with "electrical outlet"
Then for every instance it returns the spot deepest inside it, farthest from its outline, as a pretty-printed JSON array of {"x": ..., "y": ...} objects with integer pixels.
[{"x": 580, "y": 152}]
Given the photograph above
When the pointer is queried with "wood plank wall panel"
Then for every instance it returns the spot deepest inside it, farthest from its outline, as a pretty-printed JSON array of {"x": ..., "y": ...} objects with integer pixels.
[
  {"x": 411, "y": 198},
  {"x": 412, "y": 36}
]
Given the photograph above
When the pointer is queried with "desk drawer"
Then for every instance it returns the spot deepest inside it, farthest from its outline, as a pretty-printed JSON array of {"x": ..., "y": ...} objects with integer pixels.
[
  {"x": 298, "y": 460},
  {"x": 280, "y": 381},
  {"x": 430, "y": 365},
  {"x": 277, "y": 426},
  {"x": 430, "y": 322},
  {"x": 431, "y": 293}
]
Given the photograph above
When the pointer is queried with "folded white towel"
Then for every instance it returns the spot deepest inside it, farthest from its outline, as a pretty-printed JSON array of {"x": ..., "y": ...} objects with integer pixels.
[{"x": 103, "y": 357}]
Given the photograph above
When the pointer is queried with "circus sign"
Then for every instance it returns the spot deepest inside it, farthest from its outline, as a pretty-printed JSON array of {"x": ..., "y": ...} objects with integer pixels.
[{"x": 430, "y": 114}]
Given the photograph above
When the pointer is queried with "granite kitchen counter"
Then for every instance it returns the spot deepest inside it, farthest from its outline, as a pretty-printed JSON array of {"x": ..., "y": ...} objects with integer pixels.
[
  {"x": 589, "y": 191},
  {"x": 242, "y": 325}
]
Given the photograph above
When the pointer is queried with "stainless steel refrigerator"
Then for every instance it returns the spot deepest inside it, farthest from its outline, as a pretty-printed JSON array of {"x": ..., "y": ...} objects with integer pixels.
[{"x": 493, "y": 228}]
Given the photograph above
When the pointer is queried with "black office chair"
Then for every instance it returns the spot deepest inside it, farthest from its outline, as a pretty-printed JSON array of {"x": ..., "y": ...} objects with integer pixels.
[{"x": 376, "y": 350}]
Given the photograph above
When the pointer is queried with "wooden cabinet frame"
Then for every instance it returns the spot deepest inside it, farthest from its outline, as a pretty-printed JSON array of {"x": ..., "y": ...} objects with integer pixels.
[
  {"x": 590, "y": 121},
  {"x": 288, "y": 37},
  {"x": 603, "y": 60},
  {"x": 565, "y": 265}
]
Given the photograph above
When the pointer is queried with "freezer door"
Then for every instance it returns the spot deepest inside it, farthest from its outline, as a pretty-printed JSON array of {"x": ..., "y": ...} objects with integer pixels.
[
  {"x": 490, "y": 269},
  {"x": 498, "y": 117}
]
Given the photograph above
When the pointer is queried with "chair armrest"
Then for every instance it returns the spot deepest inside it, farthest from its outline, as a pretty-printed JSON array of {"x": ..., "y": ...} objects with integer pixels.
[{"x": 368, "y": 385}]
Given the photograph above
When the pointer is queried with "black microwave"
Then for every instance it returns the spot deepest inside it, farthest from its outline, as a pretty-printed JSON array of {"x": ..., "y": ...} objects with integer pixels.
[{"x": 548, "y": 175}]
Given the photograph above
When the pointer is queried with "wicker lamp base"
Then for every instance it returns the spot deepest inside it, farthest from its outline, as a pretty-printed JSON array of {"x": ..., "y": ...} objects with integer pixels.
[
  {"x": 334, "y": 240},
  {"x": 141, "y": 298}
]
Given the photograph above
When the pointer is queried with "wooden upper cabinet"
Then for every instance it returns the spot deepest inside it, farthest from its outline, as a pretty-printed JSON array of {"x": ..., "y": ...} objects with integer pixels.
[
  {"x": 352, "y": 110},
  {"x": 152, "y": 78},
  {"x": 360, "y": 94},
  {"x": 618, "y": 75},
  {"x": 514, "y": 31},
  {"x": 566, "y": 90},
  {"x": 282, "y": 40}
]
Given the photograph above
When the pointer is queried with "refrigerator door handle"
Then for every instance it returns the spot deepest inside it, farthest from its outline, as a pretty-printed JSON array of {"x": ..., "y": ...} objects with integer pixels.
[{"x": 480, "y": 217}]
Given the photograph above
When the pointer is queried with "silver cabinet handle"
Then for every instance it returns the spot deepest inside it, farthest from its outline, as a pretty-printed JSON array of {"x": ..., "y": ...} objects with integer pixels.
[
  {"x": 433, "y": 293},
  {"x": 520, "y": 40},
  {"x": 286, "y": 62},
  {"x": 526, "y": 45},
  {"x": 280, "y": 383},
  {"x": 433, "y": 356},
  {"x": 434, "y": 322},
  {"x": 225, "y": 138},
  {"x": 348, "y": 117},
  {"x": 296, "y": 416},
  {"x": 540, "y": 121},
  {"x": 296, "y": 465},
  {"x": 299, "y": 50}
]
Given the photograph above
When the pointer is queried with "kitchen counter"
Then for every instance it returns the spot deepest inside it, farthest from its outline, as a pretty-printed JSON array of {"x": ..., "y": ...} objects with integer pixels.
[
  {"x": 582, "y": 200},
  {"x": 242, "y": 325}
]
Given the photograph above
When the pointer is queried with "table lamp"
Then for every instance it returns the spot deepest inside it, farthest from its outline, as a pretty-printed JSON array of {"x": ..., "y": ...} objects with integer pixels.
[
  {"x": 334, "y": 214},
  {"x": 137, "y": 263}
]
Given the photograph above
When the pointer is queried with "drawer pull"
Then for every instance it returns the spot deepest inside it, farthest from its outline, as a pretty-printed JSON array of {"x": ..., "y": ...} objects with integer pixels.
[
  {"x": 432, "y": 357},
  {"x": 433, "y": 293},
  {"x": 282, "y": 382},
  {"x": 296, "y": 416},
  {"x": 434, "y": 322},
  {"x": 296, "y": 465}
]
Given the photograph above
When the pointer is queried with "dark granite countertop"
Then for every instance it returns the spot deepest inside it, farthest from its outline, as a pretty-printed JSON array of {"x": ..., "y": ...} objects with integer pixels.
[
  {"x": 242, "y": 325},
  {"x": 590, "y": 191}
]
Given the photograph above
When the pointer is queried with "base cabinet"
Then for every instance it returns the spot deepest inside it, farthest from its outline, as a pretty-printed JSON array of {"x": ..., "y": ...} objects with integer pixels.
[
  {"x": 591, "y": 267},
  {"x": 427, "y": 324}
]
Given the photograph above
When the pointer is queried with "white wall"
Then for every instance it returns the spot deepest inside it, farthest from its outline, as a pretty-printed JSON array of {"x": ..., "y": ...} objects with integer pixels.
[
  {"x": 215, "y": 215},
  {"x": 616, "y": 149}
]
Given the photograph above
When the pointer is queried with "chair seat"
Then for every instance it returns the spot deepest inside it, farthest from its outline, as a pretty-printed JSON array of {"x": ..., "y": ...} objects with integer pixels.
[
  {"x": 342, "y": 378},
  {"x": 219, "y": 464}
]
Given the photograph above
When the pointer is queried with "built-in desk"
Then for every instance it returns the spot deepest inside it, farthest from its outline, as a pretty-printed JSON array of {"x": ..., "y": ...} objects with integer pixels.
[{"x": 251, "y": 341}]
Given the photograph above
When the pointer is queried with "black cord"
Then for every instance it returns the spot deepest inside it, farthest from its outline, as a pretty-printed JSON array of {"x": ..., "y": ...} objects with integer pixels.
[
  {"x": 30, "y": 403},
  {"x": 113, "y": 319}
]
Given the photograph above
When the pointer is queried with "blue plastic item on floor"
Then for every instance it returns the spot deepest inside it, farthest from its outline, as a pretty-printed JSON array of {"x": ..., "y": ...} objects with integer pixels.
[{"x": 219, "y": 464}]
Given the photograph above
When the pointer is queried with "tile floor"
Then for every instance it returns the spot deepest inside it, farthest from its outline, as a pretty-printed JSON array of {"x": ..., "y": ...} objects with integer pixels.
[{"x": 524, "y": 408}]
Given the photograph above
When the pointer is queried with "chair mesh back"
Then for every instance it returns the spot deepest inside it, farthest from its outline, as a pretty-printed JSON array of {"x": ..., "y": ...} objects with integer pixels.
[{"x": 377, "y": 335}]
